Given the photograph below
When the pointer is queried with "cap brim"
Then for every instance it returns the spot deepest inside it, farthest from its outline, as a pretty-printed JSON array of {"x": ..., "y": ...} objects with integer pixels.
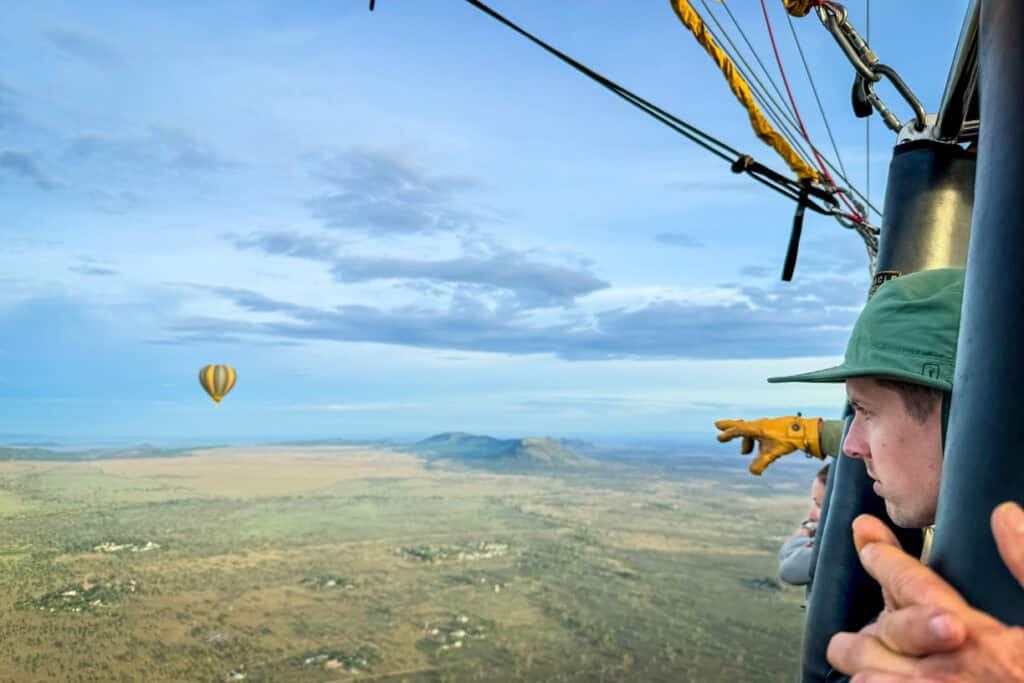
[{"x": 839, "y": 373}]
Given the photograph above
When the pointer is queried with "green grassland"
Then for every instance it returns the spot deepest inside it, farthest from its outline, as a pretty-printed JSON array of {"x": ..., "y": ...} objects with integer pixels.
[{"x": 326, "y": 563}]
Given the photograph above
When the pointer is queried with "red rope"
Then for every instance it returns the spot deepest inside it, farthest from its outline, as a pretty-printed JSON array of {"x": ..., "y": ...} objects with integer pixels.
[{"x": 854, "y": 215}]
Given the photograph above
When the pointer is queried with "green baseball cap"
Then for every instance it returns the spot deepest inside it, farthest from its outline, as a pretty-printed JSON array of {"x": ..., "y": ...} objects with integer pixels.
[{"x": 906, "y": 331}]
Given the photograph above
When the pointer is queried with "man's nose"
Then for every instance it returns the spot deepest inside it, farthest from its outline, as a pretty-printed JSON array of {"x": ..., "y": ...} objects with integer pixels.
[{"x": 855, "y": 445}]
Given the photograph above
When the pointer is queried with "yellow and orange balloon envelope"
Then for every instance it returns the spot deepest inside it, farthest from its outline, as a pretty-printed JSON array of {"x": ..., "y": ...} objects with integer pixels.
[{"x": 217, "y": 380}]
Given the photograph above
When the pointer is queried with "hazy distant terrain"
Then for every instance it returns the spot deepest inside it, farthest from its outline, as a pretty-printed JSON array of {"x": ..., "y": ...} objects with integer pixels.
[
  {"x": 490, "y": 453},
  {"x": 323, "y": 563},
  {"x": 80, "y": 454}
]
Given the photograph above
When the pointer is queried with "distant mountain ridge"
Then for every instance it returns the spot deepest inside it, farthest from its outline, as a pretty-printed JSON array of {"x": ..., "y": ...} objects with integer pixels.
[
  {"x": 474, "y": 449},
  {"x": 141, "y": 451}
]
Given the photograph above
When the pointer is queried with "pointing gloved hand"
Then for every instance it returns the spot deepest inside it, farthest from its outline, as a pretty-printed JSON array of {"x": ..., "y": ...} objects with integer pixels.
[{"x": 775, "y": 436}]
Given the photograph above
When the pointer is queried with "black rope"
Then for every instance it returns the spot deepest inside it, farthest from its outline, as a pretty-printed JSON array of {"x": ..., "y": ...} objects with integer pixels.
[
  {"x": 692, "y": 132},
  {"x": 786, "y": 186},
  {"x": 740, "y": 163}
]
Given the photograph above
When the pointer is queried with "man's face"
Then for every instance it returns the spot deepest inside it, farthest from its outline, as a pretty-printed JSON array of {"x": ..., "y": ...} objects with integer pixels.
[{"x": 902, "y": 455}]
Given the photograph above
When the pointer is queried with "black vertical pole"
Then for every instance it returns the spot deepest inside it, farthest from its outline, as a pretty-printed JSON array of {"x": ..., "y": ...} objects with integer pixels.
[{"x": 983, "y": 465}]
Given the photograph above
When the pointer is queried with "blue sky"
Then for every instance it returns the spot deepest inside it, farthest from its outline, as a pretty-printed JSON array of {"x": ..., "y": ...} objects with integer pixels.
[{"x": 411, "y": 220}]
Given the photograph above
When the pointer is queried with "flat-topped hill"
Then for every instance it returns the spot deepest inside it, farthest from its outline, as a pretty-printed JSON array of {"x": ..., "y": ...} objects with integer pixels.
[{"x": 473, "y": 449}]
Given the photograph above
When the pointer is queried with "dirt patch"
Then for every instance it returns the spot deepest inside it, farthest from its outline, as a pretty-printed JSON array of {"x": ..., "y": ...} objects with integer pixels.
[{"x": 267, "y": 471}]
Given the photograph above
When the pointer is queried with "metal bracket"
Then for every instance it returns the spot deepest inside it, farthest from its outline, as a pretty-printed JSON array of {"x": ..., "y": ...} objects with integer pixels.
[{"x": 909, "y": 132}]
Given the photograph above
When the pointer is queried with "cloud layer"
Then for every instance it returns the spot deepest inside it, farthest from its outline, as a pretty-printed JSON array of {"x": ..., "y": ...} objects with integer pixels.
[
  {"x": 83, "y": 45},
  {"x": 22, "y": 165},
  {"x": 378, "y": 193},
  {"x": 776, "y": 323}
]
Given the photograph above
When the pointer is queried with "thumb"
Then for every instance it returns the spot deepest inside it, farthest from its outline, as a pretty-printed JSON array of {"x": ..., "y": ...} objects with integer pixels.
[
  {"x": 869, "y": 529},
  {"x": 1008, "y": 529}
]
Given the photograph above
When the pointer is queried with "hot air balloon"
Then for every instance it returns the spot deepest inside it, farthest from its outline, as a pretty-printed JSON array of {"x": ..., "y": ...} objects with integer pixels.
[{"x": 217, "y": 380}]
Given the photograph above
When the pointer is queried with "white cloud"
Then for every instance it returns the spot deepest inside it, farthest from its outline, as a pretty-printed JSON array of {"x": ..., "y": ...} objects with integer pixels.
[{"x": 638, "y": 296}]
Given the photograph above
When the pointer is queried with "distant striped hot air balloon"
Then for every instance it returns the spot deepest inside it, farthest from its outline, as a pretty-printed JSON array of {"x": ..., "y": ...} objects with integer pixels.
[{"x": 217, "y": 380}]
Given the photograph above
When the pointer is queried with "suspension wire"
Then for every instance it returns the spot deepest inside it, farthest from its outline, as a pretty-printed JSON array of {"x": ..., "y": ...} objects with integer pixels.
[
  {"x": 779, "y": 115},
  {"x": 750, "y": 73},
  {"x": 725, "y": 6},
  {"x": 773, "y": 109},
  {"x": 867, "y": 120},
  {"x": 814, "y": 89},
  {"x": 708, "y": 142},
  {"x": 853, "y": 210},
  {"x": 740, "y": 163},
  {"x": 783, "y": 108},
  {"x": 793, "y": 128}
]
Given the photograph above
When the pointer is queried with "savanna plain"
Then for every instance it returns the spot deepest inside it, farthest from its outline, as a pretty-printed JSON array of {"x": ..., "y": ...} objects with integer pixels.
[{"x": 367, "y": 563}]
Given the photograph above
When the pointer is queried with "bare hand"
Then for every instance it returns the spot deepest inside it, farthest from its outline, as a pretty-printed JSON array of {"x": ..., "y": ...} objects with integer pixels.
[{"x": 928, "y": 633}]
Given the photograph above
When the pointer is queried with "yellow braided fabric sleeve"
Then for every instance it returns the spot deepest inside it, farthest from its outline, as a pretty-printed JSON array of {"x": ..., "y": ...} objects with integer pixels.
[
  {"x": 741, "y": 90},
  {"x": 799, "y": 8}
]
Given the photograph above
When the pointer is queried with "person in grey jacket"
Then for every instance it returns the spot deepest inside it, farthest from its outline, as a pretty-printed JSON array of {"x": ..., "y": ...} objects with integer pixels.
[{"x": 796, "y": 553}]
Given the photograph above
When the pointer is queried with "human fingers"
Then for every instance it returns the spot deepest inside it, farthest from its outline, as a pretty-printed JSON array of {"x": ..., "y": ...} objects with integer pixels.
[
  {"x": 855, "y": 652},
  {"x": 885, "y": 677},
  {"x": 907, "y": 581},
  {"x": 870, "y": 529},
  {"x": 919, "y": 630},
  {"x": 1008, "y": 529}
]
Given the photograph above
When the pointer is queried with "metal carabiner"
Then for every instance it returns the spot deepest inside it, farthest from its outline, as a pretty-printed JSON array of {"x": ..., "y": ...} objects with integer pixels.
[
  {"x": 833, "y": 16},
  {"x": 890, "y": 119},
  {"x": 839, "y": 11},
  {"x": 904, "y": 90}
]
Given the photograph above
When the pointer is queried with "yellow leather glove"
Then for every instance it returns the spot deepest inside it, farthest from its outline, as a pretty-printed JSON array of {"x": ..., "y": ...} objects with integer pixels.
[{"x": 775, "y": 436}]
